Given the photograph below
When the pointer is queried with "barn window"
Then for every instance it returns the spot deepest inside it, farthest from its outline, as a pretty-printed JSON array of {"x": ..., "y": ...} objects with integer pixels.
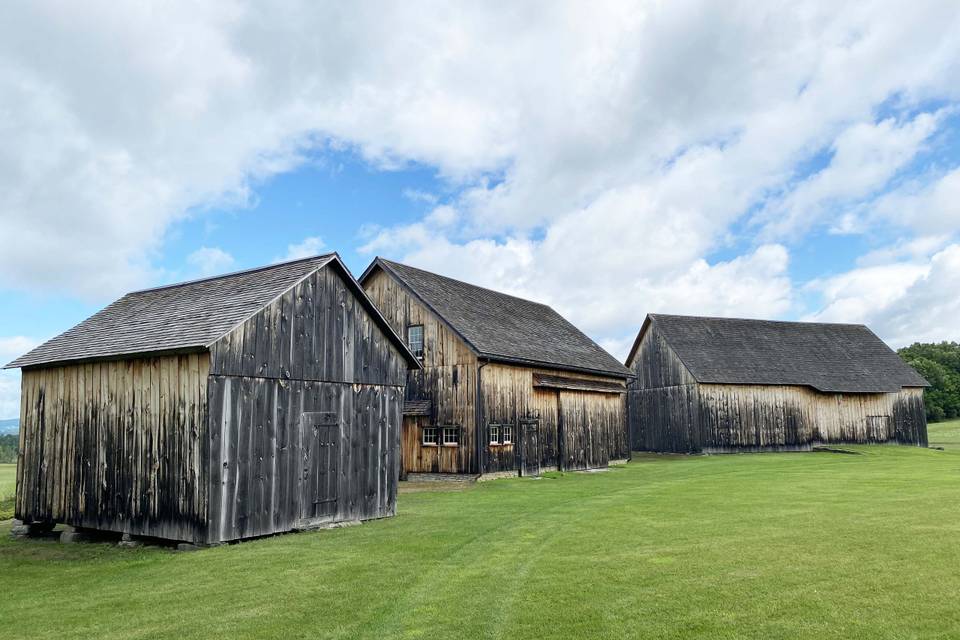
[
  {"x": 429, "y": 436},
  {"x": 415, "y": 339},
  {"x": 451, "y": 436},
  {"x": 501, "y": 434}
]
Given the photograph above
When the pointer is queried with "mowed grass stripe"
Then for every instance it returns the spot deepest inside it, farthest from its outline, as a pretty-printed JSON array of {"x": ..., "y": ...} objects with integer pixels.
[{"x": 764, "y": 546}]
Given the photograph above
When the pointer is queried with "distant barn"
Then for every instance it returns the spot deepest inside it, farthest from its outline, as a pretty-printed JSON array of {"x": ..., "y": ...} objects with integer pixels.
[
  {"x": 508, "y": 386},
  {"x": 719, "y": 384},
  {"x": 219, "y": 409}
]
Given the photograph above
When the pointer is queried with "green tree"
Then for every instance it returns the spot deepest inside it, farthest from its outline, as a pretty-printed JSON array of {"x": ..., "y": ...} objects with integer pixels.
[
  {"x": 8, "y": 449},
  {"x": 939, "y": 363}
]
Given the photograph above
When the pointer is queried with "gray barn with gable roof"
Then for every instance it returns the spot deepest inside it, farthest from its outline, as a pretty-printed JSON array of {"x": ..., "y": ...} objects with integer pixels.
[
  {"x": 219, "y": 409},
  {"x": 725, "y": 384}
]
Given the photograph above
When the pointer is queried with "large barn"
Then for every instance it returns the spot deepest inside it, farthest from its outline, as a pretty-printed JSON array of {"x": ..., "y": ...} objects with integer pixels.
[
  {"x": 721, "y": 384},
  {"x": 507, "y": 387},
  {"x": 219, "y": 409}
]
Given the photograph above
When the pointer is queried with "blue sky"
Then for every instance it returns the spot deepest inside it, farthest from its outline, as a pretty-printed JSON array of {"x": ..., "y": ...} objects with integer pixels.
[{"x": 796, "y": 161}]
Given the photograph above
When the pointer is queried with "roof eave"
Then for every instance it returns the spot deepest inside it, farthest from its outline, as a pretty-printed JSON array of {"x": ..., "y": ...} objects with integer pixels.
[
  {"x": 492, "y": 357},
  {"x": 131, "y": 355}
]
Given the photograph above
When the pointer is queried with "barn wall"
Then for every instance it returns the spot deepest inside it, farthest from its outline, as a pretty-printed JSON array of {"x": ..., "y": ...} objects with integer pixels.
[
  {"x": 594, "y": 424},
  {"x": 448, "y": 379},
  {"x": 265, "y": 453},
  {"x": 319, "y": 330},
  {"x": 314, "y": 350},
  {"x": 117, "y": 446},
  {"x": 663, "y": 400}
]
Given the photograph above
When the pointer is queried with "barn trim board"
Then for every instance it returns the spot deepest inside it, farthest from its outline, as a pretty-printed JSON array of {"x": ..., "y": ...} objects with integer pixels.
[
  {"x": 280, "y": 409},
  {"x": 492, "y": 360},
  {"x": 731, "y": 385}
]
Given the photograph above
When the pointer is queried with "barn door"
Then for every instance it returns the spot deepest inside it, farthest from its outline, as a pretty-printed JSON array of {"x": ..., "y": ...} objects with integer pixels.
[
  {"x": 320, "y": 441},
  {"x": 529, "y": 447}
]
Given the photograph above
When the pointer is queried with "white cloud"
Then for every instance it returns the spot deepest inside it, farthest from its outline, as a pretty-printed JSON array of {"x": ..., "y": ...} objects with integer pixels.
[
  {"x": 930, "y": 205},
  {"x": 12, "y": 347},
  {"x": 310, "y": 247},
  {"x": 208, "y": 261},
  {"x": 903, "y": 302},
  {"x": 865, "y": 157}
]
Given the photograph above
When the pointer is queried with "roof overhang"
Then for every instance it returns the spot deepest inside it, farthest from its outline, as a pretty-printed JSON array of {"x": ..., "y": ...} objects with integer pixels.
[{"x": 636, "y": 343}]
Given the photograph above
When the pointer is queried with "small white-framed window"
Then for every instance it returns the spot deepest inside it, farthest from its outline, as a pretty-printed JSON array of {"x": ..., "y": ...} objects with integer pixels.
[
  {"x": 494, "y": 434},
  {"x": 451, "y": 436},
  {"x": 507, "y": 432},
  {"x": 429, "y": 437},
  {"x": 415, "y": 339}
]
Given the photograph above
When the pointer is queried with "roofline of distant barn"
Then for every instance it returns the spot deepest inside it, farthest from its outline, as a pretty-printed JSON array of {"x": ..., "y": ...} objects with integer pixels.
[
  {"x": 652, "y": 316},
  {"x": 333, "y": 258},
  {"x": 383, "y": 263}
]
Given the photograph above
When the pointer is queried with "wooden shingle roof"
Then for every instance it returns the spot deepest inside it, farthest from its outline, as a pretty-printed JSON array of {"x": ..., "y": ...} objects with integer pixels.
[
  {"x": 185, "y": 317},
  {"x": 833, "y": 358},
  {"x": 501, "y": 327}
]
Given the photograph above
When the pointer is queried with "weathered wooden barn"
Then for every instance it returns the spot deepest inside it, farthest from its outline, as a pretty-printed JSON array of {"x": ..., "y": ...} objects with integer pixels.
[
  {"x": 225, "y": 408},
  {"x": 721, "y": 384},
  {"x": 507, "y": 386}
]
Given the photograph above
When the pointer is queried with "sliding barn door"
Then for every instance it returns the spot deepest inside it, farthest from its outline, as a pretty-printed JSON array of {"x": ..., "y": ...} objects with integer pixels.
[
  {"x": 530, "y": 447},
  {"x": 320, "y": 447}
]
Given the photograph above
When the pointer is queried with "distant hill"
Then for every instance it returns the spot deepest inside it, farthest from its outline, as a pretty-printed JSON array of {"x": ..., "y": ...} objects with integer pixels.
[{"x": 9, "y": 426}]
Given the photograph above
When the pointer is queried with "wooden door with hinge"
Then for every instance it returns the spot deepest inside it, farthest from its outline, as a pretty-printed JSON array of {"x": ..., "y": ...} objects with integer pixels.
[
  {"x": 320, "y": 438},
  {"x": 529, "y": 447}
]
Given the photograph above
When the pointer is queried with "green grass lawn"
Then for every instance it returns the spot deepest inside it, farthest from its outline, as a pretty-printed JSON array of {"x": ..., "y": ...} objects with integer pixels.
[
  {"x": 815, "y": 545},
  {"x": 944, "y": 434},
  {"x": 8, "y": 487}
]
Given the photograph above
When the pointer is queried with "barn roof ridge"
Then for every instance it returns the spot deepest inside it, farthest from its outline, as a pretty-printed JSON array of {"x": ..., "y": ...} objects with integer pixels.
[
  {"x": 189, "y": 316},
  {"x": 502, "y": 327},
  {"x": 240, "y": 272},
  {"x": 759, "y": 320},
  {"x": 463, "y": 282},
  {"x": 829, "y": 357}
]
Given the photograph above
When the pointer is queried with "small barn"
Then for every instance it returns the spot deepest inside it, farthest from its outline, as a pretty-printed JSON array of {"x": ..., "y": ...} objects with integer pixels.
[
  {"x": 507, "y": 387},
  {"x": 219, "y": 409},
  {"x": 723, "y": 384}
]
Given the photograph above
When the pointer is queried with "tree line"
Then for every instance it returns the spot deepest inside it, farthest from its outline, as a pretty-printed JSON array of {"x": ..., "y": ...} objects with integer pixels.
[
  {"x": 940, "y": 364},
  {"x": 8, "y": 449}
]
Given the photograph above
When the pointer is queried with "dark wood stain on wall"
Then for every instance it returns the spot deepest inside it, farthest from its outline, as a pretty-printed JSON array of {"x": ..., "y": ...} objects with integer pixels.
[{"x": 119, "y": 446}]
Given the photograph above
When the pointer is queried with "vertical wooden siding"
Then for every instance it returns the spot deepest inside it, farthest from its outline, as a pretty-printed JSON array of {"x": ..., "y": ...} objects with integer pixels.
[
  {"x": 316, "y": 331},
  {"x": 116, "y": 445},
  {"x": 260, "y": 453},
  {"x": 448, "y": 379},
  {"x": 594, "y": 424},
  {"x": 314, "y": 349}
]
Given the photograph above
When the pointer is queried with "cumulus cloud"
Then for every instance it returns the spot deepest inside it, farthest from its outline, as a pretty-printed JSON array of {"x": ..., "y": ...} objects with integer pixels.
[
  {"x": 12, "y": 347},
  {"x": 310, "y": 246},
  {"x": 903, "y": 301},
  {"x": 208, "y": 261},
  {"x": 597, "y": 156}
]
